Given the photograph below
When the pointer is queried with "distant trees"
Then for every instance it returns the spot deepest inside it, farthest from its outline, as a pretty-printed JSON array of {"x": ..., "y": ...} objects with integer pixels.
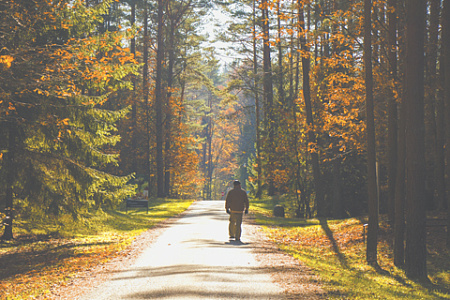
[
  {"x": 170, "y": 65},
  {"x": 161, "y": 145}
]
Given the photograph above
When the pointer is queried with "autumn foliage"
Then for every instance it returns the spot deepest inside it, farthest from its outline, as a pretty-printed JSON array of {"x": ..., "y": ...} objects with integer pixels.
[{"x": 101, "y": 100}]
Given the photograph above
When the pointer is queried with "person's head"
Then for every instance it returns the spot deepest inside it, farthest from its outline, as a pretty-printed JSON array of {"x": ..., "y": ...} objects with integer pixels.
[{"x": 236, "y": 184}]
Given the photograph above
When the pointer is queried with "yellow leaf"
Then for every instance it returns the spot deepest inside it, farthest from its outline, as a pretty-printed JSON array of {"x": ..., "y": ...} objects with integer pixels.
[{"x": 5, "y": 61}]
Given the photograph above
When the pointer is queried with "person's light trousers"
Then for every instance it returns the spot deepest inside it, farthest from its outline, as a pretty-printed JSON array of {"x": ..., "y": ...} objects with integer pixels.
[{"x": 234, "y": 228}]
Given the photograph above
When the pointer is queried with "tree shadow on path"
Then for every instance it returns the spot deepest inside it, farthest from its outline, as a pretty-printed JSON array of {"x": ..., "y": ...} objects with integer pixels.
[{"x": 341, "y": 257}]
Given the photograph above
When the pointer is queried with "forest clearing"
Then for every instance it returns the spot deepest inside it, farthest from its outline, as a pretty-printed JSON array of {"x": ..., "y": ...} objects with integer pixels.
[{"x": 336, "y": 111}]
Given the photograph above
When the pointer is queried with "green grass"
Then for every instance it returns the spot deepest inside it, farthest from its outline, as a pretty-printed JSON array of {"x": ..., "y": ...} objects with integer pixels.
[
  {"x": 48, "y": 251},
  {"x": 335, "y": 250},
  {"x": 37, "y": 223}
]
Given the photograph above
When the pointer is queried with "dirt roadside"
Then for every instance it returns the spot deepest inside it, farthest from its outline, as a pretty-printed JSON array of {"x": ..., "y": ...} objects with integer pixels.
[{"x": 297, "y": 280}]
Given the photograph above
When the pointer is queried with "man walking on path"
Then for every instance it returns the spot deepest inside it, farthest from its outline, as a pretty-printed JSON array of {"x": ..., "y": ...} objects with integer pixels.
[
  {"x": 190, "y": 259},
  {"x": 235, "y": 204}
]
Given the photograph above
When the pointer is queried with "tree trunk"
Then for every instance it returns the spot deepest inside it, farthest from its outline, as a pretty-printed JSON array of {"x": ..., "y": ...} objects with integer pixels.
[
  {"x": 146, "y": 91},
  {"x": 205, "y": 152},
  {"x": 268, "y": 93},
  {"x": 430, "y": 103},
  {"x": 257, "y": 107},
  {"x": 159, "y": 101},
  {"x": 281, "y": 95},
  {"x": 338, "y": 205},
  {"x": 292, "y": 97},
  {"x": 440, "y": 141},
  {"x": 399, "y": 223},
  {"x": 440, "y": 124},
  {"x": 415, "y": 251},
  {"x": 134, "y": 136},
  {"x": 372, "y": 232},
  {"x": 11, "y": 171},
  {"x": 209, "y": 139},
  {"x": 446, "y": 54},
  {"x": 392, "y": 110},
  {"x": 309, "y": 116},
  {"x": 168, "y": 142}
]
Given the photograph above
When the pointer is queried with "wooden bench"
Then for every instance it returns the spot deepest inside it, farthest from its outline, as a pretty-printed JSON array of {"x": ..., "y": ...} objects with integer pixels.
[{"x": 136, "y": 203}]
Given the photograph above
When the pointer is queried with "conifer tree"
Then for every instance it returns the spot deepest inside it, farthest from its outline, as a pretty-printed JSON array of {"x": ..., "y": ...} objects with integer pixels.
[{"x": 54, "y": 112}]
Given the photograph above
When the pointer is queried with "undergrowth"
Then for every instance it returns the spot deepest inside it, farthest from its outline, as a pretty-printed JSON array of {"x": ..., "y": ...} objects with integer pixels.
[{"x": 335, "y": 250}]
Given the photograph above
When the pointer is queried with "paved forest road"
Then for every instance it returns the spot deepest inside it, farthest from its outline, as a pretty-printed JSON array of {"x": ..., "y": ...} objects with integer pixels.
[{"x": 193, "y": 259}]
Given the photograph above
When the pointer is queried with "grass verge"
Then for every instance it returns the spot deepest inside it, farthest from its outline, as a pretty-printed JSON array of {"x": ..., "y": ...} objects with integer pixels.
[
  {"x": 335, "y": 250},
  {"x": 48, "y": 252}
]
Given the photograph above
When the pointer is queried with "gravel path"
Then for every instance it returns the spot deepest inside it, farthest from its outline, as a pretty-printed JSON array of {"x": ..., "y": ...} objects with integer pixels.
[{"x": 194, "y": 259}]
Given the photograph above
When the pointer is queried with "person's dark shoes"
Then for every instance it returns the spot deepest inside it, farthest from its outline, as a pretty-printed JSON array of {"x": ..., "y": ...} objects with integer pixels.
[{"x": 231, "y": 237}]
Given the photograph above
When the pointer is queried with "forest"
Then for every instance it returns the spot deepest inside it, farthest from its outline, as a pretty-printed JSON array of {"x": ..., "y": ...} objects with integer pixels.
[{"x": 338, "y": 107}]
